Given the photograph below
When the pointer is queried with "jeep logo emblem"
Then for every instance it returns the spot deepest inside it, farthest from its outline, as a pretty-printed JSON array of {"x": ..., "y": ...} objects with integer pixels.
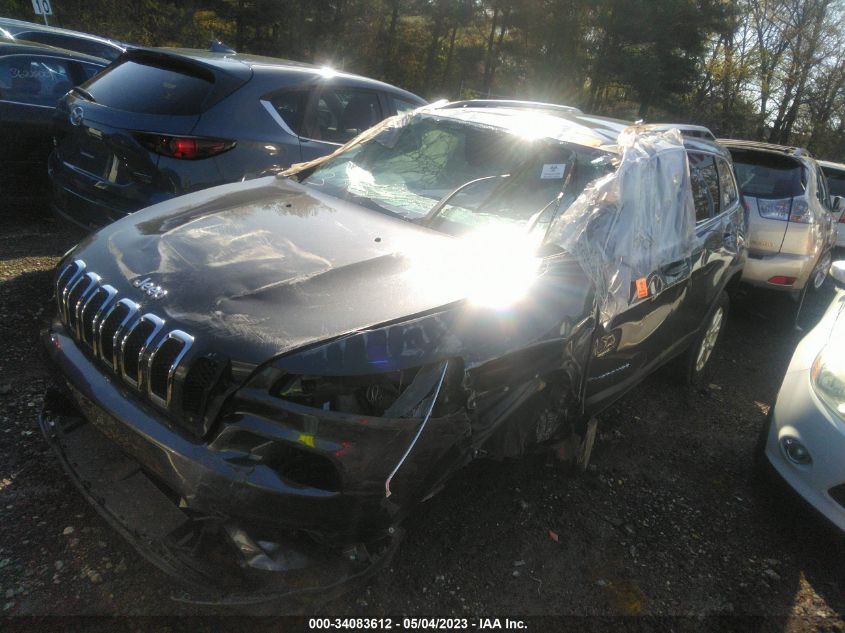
[
  {"x": 76, "y": 116},
  {"x": 149, "y": 288}
]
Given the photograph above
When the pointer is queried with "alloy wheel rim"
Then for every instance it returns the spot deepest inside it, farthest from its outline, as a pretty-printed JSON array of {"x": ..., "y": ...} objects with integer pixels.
[{"x": 708, "y": 343}]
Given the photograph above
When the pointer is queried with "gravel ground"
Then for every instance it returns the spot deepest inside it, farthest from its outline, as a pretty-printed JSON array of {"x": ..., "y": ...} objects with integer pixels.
[{"x": 667, "y": 521}]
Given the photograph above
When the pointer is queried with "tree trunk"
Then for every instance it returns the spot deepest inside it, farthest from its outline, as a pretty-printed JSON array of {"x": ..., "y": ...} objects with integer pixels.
[
  {"x": 488, "y": 79},
  {"x": 391, "y": 39},
  {"x": 433, "y": 47},
  {"x": 488, "y": 61},
  {"x": 449, "y": 56},
  {"x": 239, "y": 26}
]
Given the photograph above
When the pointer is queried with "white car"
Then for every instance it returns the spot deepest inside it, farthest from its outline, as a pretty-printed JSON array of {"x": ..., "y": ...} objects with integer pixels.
[
  {"x": 835, "y": 173},
  {"x": 804, "y": 439}
]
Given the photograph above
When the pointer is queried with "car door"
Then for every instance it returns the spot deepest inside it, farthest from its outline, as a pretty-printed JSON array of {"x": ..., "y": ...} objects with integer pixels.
[
  {"x": 719, "y": 235},
  {"x": 640, "y": 338},
  {"x": 30, "y": 86},
  {"x": 334, "y": 115}
]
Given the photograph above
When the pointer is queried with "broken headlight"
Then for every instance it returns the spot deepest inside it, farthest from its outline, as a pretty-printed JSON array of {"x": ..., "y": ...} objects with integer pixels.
[
  {"x": 828, "y": 378},
  {"x": 402, "y": 393}
]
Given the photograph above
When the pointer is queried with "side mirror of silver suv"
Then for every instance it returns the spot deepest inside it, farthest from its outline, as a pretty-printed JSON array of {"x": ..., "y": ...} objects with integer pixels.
[{"x": 837, "y": 203}]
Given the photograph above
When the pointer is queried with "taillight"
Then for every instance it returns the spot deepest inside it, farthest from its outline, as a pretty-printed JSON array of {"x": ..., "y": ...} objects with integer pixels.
[
  {"x": 184, "y": 147},
  {"x": 775, "y": 209},
  {"x": 781, "y": 280},
  {"x": 786, "y": 209},
  {"x": 842, "y": 219},
  {"x": 800, "y": 212}
]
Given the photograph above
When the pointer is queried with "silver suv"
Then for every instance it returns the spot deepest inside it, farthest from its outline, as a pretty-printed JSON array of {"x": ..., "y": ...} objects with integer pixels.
[{"x": 791, "y": 223}]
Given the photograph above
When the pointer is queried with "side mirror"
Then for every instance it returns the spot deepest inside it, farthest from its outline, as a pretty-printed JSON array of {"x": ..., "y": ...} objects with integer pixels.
[
  {"x": 837, "y": 203},
  {"x": 837, "y": 273}
]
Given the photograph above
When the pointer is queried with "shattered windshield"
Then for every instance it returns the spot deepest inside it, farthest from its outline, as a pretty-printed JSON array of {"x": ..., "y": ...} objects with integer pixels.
[{"x": 455, "y": 176}]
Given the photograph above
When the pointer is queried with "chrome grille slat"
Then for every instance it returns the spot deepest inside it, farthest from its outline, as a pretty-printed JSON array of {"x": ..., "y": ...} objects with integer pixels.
[
  {"x": 121, "y": 331},
  {"x": 76, "y": 282},
  {"x": 157, "y": 325},
  {"x": 187, "y": 341},
  {"x": 87, "y": 294},
  {"x": 106, "y": 352},
  {"x": 99, "y": 319},
  {"x": 63, "y": 287}
]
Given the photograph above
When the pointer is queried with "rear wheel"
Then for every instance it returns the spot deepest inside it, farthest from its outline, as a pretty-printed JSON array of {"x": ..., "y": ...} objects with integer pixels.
[{"x": 699, "y": 357}]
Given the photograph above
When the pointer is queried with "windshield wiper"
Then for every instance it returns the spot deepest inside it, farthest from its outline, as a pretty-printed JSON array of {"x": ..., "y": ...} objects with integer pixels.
[{"x": 437, "y": 208}]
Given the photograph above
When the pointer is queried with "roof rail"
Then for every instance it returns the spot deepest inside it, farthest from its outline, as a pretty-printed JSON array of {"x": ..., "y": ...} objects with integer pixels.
[
  {"x": 513, "y": 103},
  {"x": 686, "y": 129},
  {"x": 768, "y": 147}
]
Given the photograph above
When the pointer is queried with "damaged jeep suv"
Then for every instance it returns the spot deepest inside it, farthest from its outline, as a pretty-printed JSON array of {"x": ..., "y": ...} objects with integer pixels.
[{"x": 258, "y": 381}]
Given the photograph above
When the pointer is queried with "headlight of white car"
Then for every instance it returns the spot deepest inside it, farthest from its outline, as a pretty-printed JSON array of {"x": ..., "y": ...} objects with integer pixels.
[{"x": 828, "y": 377}]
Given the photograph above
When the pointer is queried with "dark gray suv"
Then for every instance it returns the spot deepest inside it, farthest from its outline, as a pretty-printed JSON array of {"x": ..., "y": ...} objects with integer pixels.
[
  {"x": 162, "y": 123},
  {"x": 257, "y": 383}
]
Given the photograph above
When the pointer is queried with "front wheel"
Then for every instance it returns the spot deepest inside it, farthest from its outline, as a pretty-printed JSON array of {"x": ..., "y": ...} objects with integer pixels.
[{"x": 699, "y": 357}]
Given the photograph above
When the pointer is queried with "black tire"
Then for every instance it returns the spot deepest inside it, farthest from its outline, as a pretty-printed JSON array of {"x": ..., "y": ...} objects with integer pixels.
[{"x": 698, "y": 361}]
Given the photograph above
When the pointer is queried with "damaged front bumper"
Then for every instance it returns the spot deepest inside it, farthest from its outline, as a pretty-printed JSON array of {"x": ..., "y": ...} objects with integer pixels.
[{"x": 276, "y": 500}]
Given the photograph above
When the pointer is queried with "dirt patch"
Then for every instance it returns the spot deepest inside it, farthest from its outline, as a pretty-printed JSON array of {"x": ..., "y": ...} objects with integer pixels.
[{"x": 666, "y": 522}]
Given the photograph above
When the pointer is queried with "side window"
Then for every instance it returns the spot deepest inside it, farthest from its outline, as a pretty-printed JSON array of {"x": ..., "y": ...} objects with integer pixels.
[
  {"x": 34, "y": 79},
  {"x": 705, "y": 186},
  {"x": 835, "y": 182},
  {"x": 401, "y": 106},
  {"x": 821, "y": 188},
  {"x": 88, "y": 70},
  {"x": 290, "y": 105},
  {"x": 339, "y": 114},
  {"x": 727, "y": 184}
]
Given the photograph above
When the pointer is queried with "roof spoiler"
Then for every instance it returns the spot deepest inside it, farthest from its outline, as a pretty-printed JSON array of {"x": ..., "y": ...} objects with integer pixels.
[{"x": 217, "y": 46}]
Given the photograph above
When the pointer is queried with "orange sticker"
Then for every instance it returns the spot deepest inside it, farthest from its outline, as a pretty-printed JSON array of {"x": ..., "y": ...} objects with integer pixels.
[{"x": 642, "y": 288}]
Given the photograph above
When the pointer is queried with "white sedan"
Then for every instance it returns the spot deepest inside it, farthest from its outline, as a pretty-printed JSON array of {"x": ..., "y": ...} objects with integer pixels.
[{"x": 805, "y": 435}]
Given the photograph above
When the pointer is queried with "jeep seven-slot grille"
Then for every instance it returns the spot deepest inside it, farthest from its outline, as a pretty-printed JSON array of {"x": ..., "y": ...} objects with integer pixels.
[{"x": 133, "y": 344}]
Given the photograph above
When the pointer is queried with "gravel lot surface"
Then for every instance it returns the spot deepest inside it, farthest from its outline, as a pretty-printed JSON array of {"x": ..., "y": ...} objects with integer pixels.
[{"x": 667, "y": 521}]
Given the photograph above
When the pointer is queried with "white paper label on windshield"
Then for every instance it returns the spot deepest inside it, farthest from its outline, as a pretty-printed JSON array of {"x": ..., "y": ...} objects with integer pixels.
[{"x": 553, "y": 170}]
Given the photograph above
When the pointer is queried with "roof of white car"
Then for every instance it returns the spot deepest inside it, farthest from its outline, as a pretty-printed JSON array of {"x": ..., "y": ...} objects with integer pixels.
[{"x": 831, "y": 165}]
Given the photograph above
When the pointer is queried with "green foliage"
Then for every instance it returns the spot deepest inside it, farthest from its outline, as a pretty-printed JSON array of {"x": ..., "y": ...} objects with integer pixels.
[{"x": 753, "y": 68}]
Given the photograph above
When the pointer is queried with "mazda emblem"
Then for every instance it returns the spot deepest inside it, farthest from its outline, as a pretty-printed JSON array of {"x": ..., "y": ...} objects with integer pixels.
[{"x": 76, "y": 116}]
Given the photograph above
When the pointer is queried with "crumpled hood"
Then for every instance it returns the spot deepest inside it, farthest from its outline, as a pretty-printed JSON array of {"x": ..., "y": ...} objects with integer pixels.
[{"x": 258, "y": 268}]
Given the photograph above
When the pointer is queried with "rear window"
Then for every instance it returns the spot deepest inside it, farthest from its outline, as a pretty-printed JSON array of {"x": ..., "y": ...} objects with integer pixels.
[
  {"x": 835, "y": 181},
  {"x": 147, "y": 88},
  {"x": 766, "y": 175}
]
